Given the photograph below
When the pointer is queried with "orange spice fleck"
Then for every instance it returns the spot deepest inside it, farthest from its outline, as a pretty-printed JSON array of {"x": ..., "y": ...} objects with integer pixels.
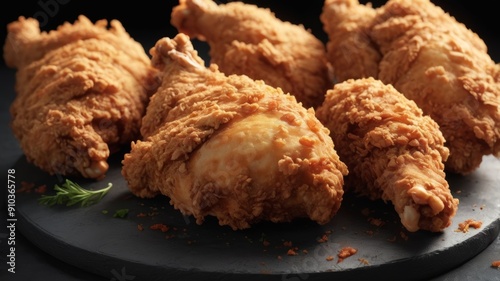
[
  {"x": 403, "y": 235},
  {"x": 141, "y": 215},
  {"x": 41, "y": 189},
  {"x": 464, "y": 226},
  {"x": 26, "y": 187},
  {"x": 329, "y": 258},
  {"x": 375, "y": 222},
  {"x": 287, "y": 243},
  {"x": 363, "y": 261},
  {"x": 323, "y": 239},
  {"x": 496, "y": 264},
  {"x": 292, "y": 252},
  {"x": 140, "y": 227},
  {"x": 392, "y": 239},
  {"x": 159, "y": 226},
  {"x": 346, "y": 252}
]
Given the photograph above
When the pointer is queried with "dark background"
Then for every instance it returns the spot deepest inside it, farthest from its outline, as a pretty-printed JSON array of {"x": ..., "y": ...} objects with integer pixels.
[{"x": 150, "y": 19}]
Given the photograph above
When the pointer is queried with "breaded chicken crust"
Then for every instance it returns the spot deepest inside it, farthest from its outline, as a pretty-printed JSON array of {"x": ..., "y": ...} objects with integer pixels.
[
  {"x": 81, "y": 91},
  {"x": 231, "y": 147},
  {"x": 432, "y": 59}
]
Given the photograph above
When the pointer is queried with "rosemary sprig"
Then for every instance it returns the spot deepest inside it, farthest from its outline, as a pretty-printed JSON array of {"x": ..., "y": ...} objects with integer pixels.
[{"x": 70, "y": 193}]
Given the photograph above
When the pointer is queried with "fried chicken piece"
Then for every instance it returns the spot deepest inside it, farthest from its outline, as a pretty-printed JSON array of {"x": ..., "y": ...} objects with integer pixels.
[
  {"x": 81, "y": 91},
  {"x": 231, "y": 147},
  {"x": 393, "y": 152},
  {"x": 429, "y": 57},
  {"x": 246, "y": 39},
  {"x": 349, "y": 48}
]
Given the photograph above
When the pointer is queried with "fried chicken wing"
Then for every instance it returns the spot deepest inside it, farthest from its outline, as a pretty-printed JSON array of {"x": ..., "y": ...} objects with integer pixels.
[
  {"x": 81, "y": 91},
  {"x": 231, "y": 147},
  {"x": 246, "y": 39},
  {"x": 429, "y": 57},
  {"x": 393, "y": 152}
]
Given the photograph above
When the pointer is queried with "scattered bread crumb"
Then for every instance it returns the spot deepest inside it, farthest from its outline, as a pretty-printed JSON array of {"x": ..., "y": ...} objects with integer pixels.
[
  {"x": 25, "y": 187},
  {"x": 365, "y": 212},
  {"x": 323, "y": 239},
  {"x": 392, "y": 239},
  {"x": 159, "y": 226},
  {"x": 375, "y": 222},
  {"x": 41, "y": 189},
  {"x": 464, "y": 226},
  {"x": 363, "y": 261},
  {"x": 346, "y": 252},
  {"x": 403, "y": 235},
  {"x": 292, "y": 252}
]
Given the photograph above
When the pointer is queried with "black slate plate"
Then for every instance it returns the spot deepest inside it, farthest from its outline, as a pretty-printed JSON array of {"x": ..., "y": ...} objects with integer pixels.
[{"x": 115, "y": 248}]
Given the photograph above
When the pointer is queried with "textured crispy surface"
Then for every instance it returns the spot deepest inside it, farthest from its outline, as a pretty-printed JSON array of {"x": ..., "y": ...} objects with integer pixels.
[
  {"x": 81, "y": 91},
  {"x": 392, "y": 151},
  {"x": 429, "y": 57},
  {"x": 246, "y": 39},
  {"x": 231, "y": 147}
]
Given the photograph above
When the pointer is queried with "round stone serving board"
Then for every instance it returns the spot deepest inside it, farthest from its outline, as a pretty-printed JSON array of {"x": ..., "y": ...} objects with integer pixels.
[{"x": 116, "y": 248}]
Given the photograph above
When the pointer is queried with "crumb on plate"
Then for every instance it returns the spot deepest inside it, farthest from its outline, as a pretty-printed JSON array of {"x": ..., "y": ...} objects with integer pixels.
[
  {"x": 464, "y": 226},
  {"x": 346, "y": 252}
]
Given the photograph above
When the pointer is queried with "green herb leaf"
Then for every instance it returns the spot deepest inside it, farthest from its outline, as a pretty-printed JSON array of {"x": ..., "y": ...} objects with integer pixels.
[
  {"x": 70, "y": 193},
  {"x": 120, "y": 213}
]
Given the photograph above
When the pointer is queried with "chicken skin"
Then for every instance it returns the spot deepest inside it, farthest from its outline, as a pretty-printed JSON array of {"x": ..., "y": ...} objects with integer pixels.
[
  {"x": 393, "y": 152},
  {"x": 81, "y": 91},
  {"x": 231, "y": 147},
  {"x": 429, "y": 57},
  {"x": 246, "y": 39}
]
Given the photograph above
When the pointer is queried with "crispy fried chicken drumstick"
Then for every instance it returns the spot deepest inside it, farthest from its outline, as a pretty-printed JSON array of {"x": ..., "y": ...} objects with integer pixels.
[
  {"x": 81, "y": 91},
  {"x": 246, "y": 39},
  {"x": 231, "y": 147},
  {"x": 392, "y": 151},
  {"x": 429, "y": 57}
]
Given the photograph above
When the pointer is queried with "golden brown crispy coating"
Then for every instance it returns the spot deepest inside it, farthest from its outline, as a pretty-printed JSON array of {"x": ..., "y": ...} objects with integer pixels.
[
  {"x": 81, "y": 91},
  {"x": 246, "y": 39},
  {"x": 231, "y": 147},
  {"x": 392, "y": 151},
  {"x": 350, "y": 49},
  {"x": 429, "y": 57}
]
